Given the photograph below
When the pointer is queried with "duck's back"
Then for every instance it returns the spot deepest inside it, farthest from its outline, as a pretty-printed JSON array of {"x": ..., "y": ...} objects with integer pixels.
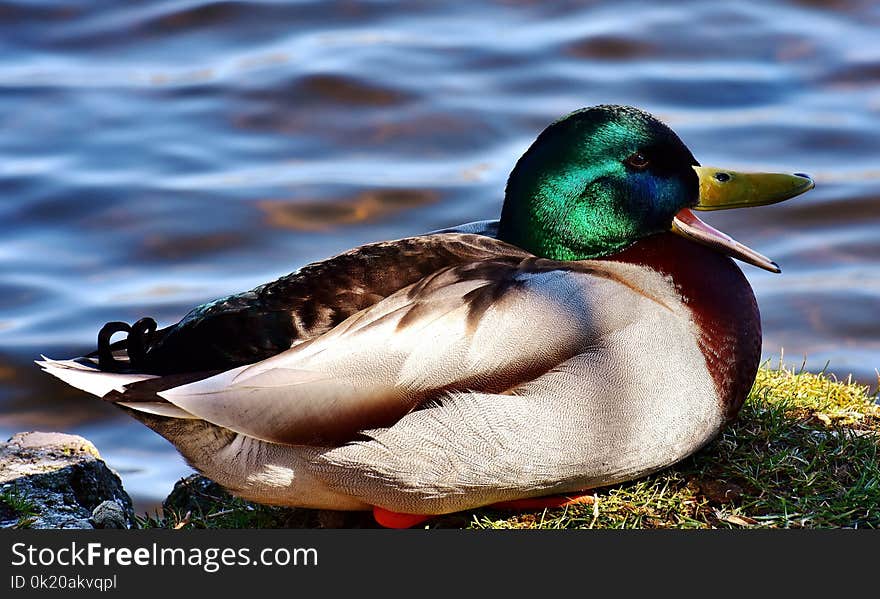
[{"x": 248, "y": 327}]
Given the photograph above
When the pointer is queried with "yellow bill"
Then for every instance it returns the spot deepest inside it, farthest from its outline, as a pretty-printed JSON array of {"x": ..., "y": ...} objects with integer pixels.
[{"x": 721, "y": 189}]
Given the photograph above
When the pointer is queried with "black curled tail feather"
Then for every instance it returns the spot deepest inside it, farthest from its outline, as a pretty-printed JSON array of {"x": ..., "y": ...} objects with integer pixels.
[
  {"x": 139, "y": 340},
  {"x": 137, "y": 344},
  {"x": 106, "y": 361}
]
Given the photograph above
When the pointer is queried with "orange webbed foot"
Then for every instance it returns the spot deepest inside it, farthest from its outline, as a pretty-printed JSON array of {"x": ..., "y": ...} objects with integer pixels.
[{"x": 389, "y": 519}]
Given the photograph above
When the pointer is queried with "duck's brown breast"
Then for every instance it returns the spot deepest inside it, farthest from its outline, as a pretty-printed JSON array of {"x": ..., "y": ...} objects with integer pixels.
[{"x": 723, "y": 307}]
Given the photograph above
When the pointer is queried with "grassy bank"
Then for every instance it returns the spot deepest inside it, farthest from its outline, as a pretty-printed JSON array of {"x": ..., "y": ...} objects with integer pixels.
[{"x": 802, "y": 454}]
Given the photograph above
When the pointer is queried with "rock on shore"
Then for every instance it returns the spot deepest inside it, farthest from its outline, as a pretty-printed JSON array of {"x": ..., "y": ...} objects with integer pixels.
[{"x": 55, "y": 480}]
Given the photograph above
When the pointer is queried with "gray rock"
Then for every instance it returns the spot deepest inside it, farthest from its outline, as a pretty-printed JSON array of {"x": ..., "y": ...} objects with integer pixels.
[
  {"x": 196, "y": 494},
  {"x": 54, "y": 480},
  {"x": 109, "y": 514}
]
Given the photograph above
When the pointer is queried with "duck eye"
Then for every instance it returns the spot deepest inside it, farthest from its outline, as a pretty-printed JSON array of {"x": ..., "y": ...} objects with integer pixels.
[{"x": 638, "y": 161}]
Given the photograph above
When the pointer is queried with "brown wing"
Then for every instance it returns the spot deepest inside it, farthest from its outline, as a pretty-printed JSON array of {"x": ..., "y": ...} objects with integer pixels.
[
  {"x": 255, "y": 325},
  {"x": 487, "y": 325}
]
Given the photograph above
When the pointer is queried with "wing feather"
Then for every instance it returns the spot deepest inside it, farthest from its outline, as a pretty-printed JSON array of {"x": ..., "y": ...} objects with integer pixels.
[{"x": 486, "y": 326}]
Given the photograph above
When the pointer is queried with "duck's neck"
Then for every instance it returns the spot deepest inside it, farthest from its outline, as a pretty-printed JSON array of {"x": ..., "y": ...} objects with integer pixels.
[
  {"x": 537, "y": 228},
  {"x": 723, "y": 306}
]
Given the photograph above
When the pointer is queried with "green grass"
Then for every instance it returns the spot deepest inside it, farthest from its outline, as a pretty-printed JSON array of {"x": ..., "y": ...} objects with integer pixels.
[
  {"x": 16, "y": 505},
  {"x": 221, "y": 510},
  {"x": 803, "y": 453}
]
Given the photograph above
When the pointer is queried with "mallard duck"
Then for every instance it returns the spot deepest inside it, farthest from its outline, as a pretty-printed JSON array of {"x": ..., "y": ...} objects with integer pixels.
[{"x": 597, "y": 332}]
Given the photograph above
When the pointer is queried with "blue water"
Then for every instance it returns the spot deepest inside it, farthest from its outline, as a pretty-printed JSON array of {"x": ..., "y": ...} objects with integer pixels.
[{"x": 155, "y": 155}]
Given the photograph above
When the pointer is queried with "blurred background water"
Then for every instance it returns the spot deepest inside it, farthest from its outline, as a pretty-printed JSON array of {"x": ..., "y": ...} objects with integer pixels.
[{"x": 155, "y": 155}]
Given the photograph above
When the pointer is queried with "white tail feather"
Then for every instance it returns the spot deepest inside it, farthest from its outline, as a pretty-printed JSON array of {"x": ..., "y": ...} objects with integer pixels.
[
  {"x": 159, "y": 408},
  {"x": 89, "y": 378}
]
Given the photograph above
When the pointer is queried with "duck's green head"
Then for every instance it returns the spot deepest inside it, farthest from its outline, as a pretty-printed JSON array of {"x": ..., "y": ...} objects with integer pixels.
[{"x": 601, "y": 178}]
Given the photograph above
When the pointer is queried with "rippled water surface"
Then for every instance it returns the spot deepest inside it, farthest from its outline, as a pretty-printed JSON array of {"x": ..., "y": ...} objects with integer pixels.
[{"x": 155, "y": 155}]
